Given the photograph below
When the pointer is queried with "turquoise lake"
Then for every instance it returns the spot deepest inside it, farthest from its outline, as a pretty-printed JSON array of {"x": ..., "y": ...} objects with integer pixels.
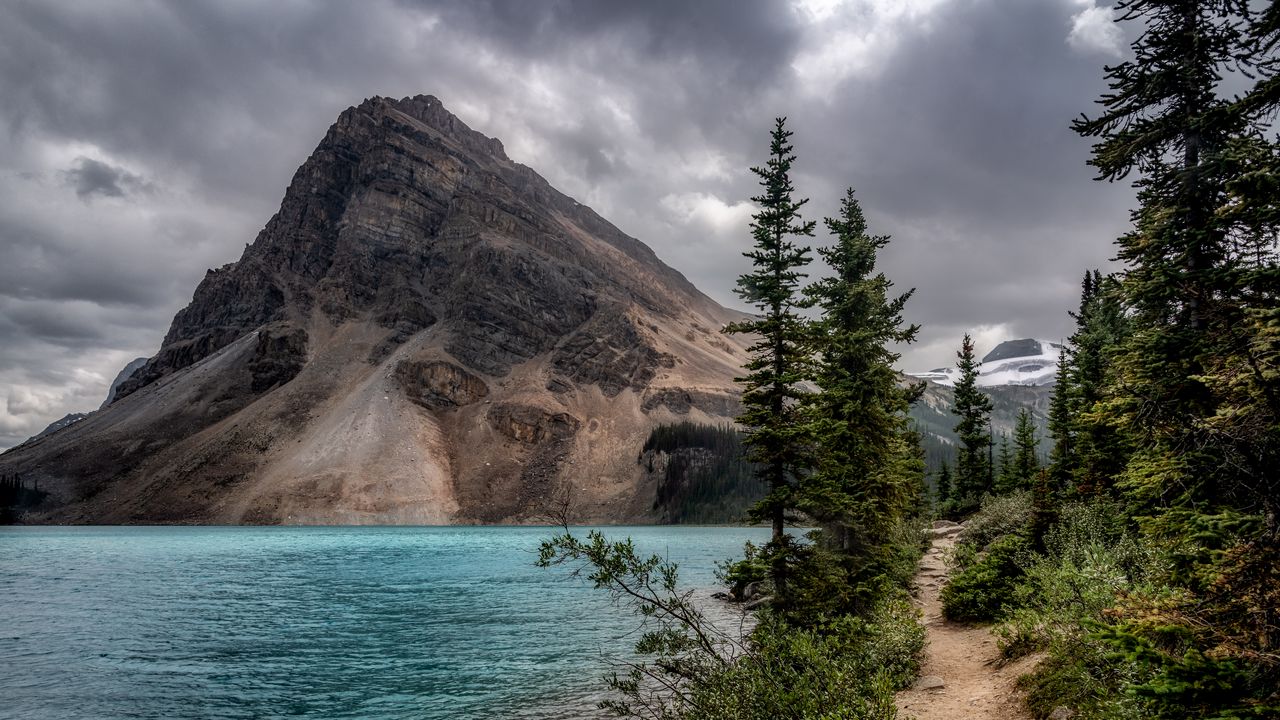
[{"x": 436, "y": 622}]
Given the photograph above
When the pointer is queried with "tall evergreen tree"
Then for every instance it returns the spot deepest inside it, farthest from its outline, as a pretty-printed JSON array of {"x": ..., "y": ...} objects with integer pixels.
[
  {"x": 861, "y": 485},
  {"x": 943, "y": 488},
  {"x": 776, "y": 439},
  {"x": 973, "y": 408},
  {"x": 1194, "y": 384},
  {"x": 1004, "y": 470},
  {"x": 1101, "y": 450},
  {"x": 1026, "y": 454},
  {"x": 1061, "y": 411},
  {"x": 1165, "y": 119}
]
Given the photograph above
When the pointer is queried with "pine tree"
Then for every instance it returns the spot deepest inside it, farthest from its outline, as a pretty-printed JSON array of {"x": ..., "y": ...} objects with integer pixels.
[
  {"x": 1026, "y": 455},
  {"x": 1061, "y": 411},
  {"x": 776, "y": 429},
  {"x": 973, "y": 408},
  {"x": 1005, "y": 480},
  {"x": 1193, "y": 386},
  {"x": 1101, "y": 450},
  {"x": 864, "y": 479},
  {"x": 1164, "y": 118},
  {"x": 943, "y": 490}
]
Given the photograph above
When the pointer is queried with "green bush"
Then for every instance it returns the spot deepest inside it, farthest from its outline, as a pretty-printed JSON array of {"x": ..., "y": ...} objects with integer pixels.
[
  {"x": 738, "y": 574},
  {"x": 1000, "y": 515},
  {"x": 987, "y": 590},
  {"x": 1087, "y": 677},
  {"x": 826, "y": 582},
  {"x": 895, "y": 639},
  {"x": 848, "y": 669},
  {"x": 1091, "y": 556}
]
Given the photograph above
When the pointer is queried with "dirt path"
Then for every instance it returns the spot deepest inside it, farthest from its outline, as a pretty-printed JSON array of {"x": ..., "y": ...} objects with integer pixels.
[{"x": 965, "y": 657}]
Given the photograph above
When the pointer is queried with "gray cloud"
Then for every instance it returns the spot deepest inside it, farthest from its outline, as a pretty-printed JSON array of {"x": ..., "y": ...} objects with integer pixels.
[
  {"x": 92, "y": 177},
  {"x": 142, "y": 143}
]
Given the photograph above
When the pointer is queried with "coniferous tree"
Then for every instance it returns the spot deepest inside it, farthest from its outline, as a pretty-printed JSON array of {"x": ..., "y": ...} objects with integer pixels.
[
  {"x": 1026, "y": 456},
  {"x": 1100, "y": 449},
  {"x": 1089, "y": 450},
  {"x": 1061, "y": 411},
  {"x": 943, "y": 490},
  {"x": 1193, "y": 386},
  {"x": 776, "y": 429},
  {"x": 865, "y": 478},
  {"x": 1005, "y": 480},
  {"x": 973, "y": 408},
  {"x": 1165, "y": 118}
]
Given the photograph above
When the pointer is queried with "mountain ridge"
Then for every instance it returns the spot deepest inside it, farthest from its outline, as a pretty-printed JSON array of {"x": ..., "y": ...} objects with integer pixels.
[{"x": 424, "y": 332}]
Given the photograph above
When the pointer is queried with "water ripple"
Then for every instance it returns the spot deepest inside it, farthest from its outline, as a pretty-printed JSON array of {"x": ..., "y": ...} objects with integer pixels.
[{"x": 374, "y": 623}]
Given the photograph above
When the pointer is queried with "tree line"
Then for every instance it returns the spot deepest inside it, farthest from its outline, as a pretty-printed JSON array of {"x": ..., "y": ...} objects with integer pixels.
[{"x": 1144, "y": 559}]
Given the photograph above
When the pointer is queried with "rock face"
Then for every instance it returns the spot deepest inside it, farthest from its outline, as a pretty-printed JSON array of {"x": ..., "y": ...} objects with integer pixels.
[
  {"x": 425, "y": 331},
  {"x": 439, "y": 385}
]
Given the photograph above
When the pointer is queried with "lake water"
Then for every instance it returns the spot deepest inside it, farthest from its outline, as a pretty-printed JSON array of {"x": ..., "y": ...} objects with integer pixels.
[{"x": 424, "y": 623}]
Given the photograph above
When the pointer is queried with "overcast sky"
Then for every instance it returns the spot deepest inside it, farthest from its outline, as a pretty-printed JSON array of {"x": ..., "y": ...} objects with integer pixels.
[{"x": 143, "y": 142}]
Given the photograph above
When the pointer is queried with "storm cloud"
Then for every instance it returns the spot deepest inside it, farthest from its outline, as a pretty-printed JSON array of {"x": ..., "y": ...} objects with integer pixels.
[{"x": 141, "y": 143}]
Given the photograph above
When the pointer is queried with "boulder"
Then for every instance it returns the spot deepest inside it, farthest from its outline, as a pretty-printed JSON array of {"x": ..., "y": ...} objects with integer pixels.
[
  {"x": 946, "y": 532},
  {"x": 930, "y": 682}
]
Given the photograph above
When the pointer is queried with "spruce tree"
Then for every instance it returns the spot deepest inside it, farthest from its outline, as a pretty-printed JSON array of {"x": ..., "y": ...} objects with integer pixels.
[
  {"x": 943, "y": 490},
  {"x": 1101, "y": 450},
  {"x": 865, "y": 478},
  {"x": 973, "y": 408},
  {"x": 1005, "y": 480},
  {"x": 1061, "y": 411},
  {"x": 1193, "y": 385},
  {"x": 776, "y": 430},
  {"x": 1165, "y": 118},
  {"x": 1026, "y": 454}
]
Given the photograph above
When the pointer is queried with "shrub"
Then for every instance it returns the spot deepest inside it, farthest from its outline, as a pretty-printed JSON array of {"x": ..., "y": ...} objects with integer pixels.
[
  {"x": 999, "y": 516},
  {"x": 987, "y": 589},
  {"x": 738, "y": 574},
  {"x": 895, "y": 639},
  {"x": 839, "y": 667},
  {"x": 1091, "y": 556},
  {"x": 826, "y": 582},
  {"x": 848, "y": 669},
  {"x": 794, "y": 673}
]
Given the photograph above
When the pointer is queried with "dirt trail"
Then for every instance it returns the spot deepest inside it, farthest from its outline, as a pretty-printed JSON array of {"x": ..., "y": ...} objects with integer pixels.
[{"x": 974, "y": 684}]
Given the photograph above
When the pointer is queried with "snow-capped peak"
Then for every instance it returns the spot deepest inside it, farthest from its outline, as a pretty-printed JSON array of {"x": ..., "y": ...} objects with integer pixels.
[{"x": 1012, "y": 362}]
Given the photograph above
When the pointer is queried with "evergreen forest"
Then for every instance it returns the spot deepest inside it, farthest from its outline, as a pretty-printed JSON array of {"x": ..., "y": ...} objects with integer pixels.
[{"x": 1135, "y": 550}]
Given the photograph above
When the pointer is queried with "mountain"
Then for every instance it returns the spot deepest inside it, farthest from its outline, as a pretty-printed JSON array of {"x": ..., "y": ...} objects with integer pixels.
[
  {"x": 425, "y": 332},
  {"x": 71, "y": 418},
  {"x": 121, "y": 377},
  {"x": 1024, "y": 362},
  {"x": 1016, "y": 375},
  {"x": 53, "y": 427}
]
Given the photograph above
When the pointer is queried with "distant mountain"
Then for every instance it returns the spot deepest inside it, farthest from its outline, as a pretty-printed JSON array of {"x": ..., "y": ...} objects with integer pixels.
[
  {"x": 1016, "y": 375},
  {"x": 123, "y": 375},
  {"x": 69, "y": 419},
  {"x": 53, "y": 427},
  {"x": 1025, "y": 362},
  {"x": 425, "y": 332}
]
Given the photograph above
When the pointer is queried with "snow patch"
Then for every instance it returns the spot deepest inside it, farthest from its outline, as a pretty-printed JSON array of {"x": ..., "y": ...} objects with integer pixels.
[{"x": 1036, "y": 369}]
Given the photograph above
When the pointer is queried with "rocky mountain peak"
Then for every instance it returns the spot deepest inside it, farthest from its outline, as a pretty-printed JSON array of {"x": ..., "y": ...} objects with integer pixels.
[
  {"x": 1026, "y": 361},
  {"x": 427, "y": 114},
  {"x": 424, "y": 330}
]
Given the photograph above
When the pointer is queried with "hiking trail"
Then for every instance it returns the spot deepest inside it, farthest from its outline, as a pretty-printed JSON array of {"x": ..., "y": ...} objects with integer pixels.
[{"x": 962, "y": 676}]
